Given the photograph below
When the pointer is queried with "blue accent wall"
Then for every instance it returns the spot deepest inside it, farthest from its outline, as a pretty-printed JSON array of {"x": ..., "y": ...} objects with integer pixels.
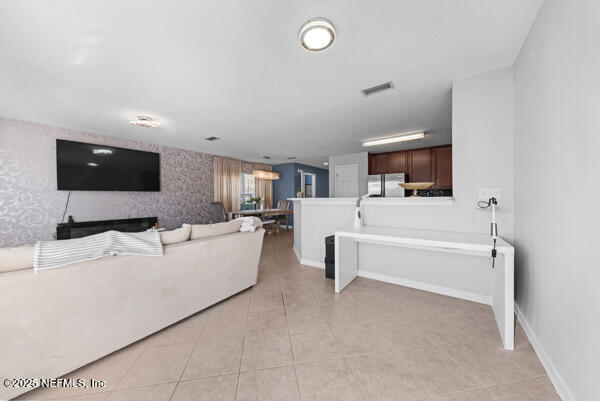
[
  {"x": 289, "y": 181},
  {"x": 283, "y": 188}
]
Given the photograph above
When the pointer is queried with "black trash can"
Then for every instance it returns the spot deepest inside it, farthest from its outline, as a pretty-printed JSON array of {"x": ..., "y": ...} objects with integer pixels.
[{"x": 330, "y": 257}]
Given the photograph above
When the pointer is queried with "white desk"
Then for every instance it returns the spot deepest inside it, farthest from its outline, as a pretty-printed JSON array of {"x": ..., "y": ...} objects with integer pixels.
[{"x": 346, "y": 261}]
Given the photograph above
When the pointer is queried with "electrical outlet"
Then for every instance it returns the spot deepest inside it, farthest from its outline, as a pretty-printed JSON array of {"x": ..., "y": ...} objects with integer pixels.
[{"x": 486, "y": 193}]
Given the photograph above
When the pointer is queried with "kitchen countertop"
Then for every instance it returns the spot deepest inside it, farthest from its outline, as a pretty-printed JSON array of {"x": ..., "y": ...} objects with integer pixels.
[{"x": 386, "y": 201}]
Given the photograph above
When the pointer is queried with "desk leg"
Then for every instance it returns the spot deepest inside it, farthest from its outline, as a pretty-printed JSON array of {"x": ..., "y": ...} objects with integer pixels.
[
  {"x": 346, "y": 261},
  {"x": 503, "y": 303}
]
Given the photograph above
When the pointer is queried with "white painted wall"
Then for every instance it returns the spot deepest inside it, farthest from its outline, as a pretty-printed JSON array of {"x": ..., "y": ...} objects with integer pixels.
[
  {"x": 360, "y": 159},
  {"x": 557, "y": 138},
  {"x": 482, "y": 147},
  {"x": 482, "y": 157}
]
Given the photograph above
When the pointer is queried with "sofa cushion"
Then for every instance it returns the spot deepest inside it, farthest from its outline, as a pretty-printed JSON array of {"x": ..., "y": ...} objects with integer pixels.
[
  {"x": 17, "y": 258},
  {"x": 210, "y": 230},
  {"x": 174, "y": 236}
]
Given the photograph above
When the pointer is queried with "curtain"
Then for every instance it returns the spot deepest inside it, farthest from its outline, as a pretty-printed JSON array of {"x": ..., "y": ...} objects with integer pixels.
[
  {"x": 227, "y": 182},
  {"x": 264, "y": 188}
]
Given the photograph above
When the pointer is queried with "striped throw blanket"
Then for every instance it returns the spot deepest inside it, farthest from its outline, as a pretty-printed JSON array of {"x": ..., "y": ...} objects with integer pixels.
[{"x": 53, "y": 254}]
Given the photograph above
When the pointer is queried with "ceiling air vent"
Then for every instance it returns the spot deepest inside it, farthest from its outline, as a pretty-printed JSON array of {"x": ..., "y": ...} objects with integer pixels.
[
  {"x": 291, "y": 157},
  {"x": 212, "y": 138},
  {"x": 267, "y": 157},
  {"x": 377, "y": 88}
]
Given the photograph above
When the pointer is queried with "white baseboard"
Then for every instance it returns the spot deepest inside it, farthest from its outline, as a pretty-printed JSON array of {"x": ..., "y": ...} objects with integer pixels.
[
  {"x": 312, "y": 263},
  {"x": 297, "y": 253},
  {"x": 559, "y": 384},
  {"x": 469, "y": 296},
  {"x": 451, "y": 292}
]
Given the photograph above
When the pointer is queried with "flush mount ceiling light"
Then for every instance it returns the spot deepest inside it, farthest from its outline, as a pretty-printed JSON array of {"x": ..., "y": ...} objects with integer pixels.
[
  {"x": 93, "y": 164},
  {"x": 317, "y": 35},
  {"x": 146, "y": 122},
  {"x": 408, "y": 136},
  {"x": 326, "y": 164},
  {"x": 265, "y": 175},
  {"x": 102, "y": 151}
]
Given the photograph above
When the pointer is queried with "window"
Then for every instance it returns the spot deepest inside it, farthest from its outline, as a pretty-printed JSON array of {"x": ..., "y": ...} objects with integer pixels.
[{"x": 248, "y": 189}]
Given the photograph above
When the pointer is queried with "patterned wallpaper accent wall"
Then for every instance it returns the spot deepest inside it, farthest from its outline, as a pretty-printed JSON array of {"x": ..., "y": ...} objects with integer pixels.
[{"x": 30, "y": 205}]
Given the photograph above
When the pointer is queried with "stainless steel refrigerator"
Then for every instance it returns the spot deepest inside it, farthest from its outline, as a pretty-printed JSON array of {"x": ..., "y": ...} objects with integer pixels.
[
  {"x": 374, "y": 184},
  {"x": 392, "y": 185},
  {"x": 386, "y": 184}
]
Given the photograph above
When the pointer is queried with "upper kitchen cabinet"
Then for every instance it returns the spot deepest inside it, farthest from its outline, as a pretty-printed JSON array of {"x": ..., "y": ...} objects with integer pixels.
[
  {"x": 419, "y": 165},
  {"x": 442, "y": 167},
  {"x": 379, "y": 163},
  {"x": 398, "y": 162},
  {"x": 422, "y": 165}
]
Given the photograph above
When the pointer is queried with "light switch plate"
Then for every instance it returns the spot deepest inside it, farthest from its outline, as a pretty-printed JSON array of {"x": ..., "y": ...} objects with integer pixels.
[{"x": 486, "y": 194}]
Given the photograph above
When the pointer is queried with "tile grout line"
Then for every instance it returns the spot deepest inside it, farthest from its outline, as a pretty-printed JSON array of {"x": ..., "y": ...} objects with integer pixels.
[
  {"x": 289, "y": 339},
  {"x": 362, "y": 390},
  {"x": 410, "y": 372},
  {"x": 189, "y": 357},
  {"x": 237, "y": 383},
  {"x": 344, "y": 356},
  {"x": 128, "y": 369},
  {"x": 465, "y": 367}
]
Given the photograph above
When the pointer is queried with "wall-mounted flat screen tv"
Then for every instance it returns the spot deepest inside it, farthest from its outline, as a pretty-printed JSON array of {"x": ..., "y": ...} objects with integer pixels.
[{"x": 88, "y": 167}]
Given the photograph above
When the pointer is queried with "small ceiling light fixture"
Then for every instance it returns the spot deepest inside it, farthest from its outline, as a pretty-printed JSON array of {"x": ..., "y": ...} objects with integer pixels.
[
  {"x": 146, "y": 122},
  {"x": 326, "y": 164},
  {"x": 265, "y": 175},
  {"x": 102, "y": 151},
  {"x": 407, "y": 136},
  {"x": 267, "y": 157},
  {"x": 316, "y": 35},
  {"x": 291, "y": 157},
  {"x": 93, "y": 164},
  {"x": 211, "y": 138}
]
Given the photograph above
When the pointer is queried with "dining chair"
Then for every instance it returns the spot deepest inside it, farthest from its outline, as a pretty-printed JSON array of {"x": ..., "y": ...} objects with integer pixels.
[
  {"x": 270, "y": 225},
  {"x": 216, "y": 212},
  {"x": 283, "y": 204}
]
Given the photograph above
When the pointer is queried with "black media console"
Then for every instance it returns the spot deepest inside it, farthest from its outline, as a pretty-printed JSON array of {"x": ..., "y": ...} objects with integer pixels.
[{"x": 85, "y": 228}]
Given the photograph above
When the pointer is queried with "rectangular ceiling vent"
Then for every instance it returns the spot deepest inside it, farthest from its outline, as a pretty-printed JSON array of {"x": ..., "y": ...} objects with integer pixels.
[
  {"x": 377, "y": 88},
  {"x": 211, "y": 138}
]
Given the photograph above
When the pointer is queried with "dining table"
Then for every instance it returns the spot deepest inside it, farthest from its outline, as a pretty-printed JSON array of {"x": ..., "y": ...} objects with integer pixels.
[{"x": 259, "y": 213}]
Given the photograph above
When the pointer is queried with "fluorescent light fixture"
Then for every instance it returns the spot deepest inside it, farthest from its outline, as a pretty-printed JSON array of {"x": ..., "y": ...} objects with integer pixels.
[
  {"x": 102, "y": 151},
  {"x": 316, "y": 35},
  {"x": 411, "y": 136},
  {"x": 93, "y": 164},
  {"x": 265, "y": 175},
  {"x": 146, "y": 122}
]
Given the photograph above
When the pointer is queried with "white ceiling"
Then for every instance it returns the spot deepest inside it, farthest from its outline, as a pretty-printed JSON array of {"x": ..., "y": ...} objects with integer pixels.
[{"x": 234, "y": 69}]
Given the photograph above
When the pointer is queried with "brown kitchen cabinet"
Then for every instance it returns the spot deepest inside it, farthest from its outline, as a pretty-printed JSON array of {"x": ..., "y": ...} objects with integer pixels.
[
  {"x": 419, "y": 165},
  {"x": 379, "y": 163},
  {"x": 442, "y": 167},
  {"x": 398, "y": 162},
  {"x": 422, "y": 165}
]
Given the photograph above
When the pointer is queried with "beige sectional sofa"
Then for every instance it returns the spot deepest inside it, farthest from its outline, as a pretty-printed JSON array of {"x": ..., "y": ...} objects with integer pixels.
[{"x": 54, "y": 322}]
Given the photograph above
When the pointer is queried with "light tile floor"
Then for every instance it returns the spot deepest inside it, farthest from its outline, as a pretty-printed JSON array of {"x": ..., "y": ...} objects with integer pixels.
[{"x": 292, "y": 338}]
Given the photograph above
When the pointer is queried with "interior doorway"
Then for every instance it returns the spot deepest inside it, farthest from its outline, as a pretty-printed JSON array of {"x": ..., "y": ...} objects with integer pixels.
[
  {"x": 308, "y": 183},
  {"x": 346, "y": 181}
]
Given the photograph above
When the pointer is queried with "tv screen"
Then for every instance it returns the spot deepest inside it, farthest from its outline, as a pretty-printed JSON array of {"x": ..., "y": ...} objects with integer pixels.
[{"x": 88, "y": 167}]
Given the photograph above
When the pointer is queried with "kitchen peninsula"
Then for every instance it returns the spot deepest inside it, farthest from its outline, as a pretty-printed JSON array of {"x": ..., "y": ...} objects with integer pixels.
[{"x": 405, "y": 253}]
